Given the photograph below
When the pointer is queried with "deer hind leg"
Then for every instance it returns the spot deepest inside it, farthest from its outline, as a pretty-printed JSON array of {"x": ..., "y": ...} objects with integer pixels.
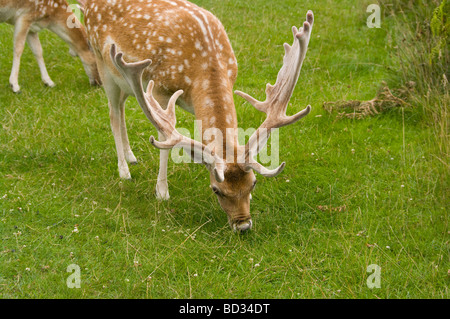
[
  {"x": 21, "y": 29},
  {"x": 36, "y": 48}
]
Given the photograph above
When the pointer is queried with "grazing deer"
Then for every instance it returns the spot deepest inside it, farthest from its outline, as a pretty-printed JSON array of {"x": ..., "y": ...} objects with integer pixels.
[
  {"x": 31, "y": 16},
  {"x": 182, "y": 51}
]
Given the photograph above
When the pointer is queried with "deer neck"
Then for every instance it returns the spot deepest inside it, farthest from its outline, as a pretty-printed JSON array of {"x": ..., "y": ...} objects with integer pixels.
[
  {"x": 75, "y": 37},
  {"x": 214, "y": 108}
]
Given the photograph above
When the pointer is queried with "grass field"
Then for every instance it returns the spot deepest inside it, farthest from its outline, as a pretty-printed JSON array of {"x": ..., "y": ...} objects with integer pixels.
[{"x": 62, "y": 202}]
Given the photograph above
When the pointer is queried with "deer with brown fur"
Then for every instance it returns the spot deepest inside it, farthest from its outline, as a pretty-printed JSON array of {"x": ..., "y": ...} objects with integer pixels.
[
  {"x": 182, "y": 54},
  {"x": 31, "y": 16}
]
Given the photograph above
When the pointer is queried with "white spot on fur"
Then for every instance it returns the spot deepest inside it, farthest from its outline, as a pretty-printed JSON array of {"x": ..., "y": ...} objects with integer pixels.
[
  {"x": 205, "y": 84},
  {"x": 198, "y": 45},
  {"x": 208, "y": 102}
]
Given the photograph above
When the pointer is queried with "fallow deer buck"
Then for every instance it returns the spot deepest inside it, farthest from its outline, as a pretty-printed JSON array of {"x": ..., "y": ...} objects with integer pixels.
[
  {"x": 182, "y": 51},
  {"x": 31, "y": 16}
]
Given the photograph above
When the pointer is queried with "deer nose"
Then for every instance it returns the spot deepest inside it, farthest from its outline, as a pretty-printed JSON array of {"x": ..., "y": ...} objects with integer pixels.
[{"x": 243, "y": 226}]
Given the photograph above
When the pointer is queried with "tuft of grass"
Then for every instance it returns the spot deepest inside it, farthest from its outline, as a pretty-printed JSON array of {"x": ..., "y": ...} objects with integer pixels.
[{"x": 420, "y": 35}]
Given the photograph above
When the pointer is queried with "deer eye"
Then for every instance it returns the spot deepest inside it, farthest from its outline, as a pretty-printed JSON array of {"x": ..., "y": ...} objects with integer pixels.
[{"x": 216, "y": 191}]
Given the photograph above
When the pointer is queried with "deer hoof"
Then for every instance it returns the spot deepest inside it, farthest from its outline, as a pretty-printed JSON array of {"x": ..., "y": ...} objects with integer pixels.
[
  {"x": 243, "y": 227},
  {"x": 131, "y": 159},
  {"x": 49, "y": 84},
  {"x": 162, "y": 196},
  {"x": 125, "y": 174},
  {"x": 162, "y": 191},
  {"x": 15, "y": 88}
]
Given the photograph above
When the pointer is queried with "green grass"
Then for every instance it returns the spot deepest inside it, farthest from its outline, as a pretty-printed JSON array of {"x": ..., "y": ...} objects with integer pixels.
[
  {"x": 422, "y": 55},
  {"x": 58, "y": 171}
]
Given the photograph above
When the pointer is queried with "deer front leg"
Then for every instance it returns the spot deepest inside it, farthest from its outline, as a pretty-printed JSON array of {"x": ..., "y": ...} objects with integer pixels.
[
  {"x": 20, "y": 34},
  {"x": 116, "y": 101},
  {"x": 162, "y": 187},
  {"x": 114, "y": 115},
  {"x": 36, "y": 48},
  {"x": 129, "y": 156}
]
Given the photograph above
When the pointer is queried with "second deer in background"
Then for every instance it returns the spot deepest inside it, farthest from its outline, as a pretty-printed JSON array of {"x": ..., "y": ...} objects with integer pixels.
[{"x": 31, "y": 16}]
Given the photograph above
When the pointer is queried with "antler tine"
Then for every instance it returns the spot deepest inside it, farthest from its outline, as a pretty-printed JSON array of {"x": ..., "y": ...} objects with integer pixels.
[
  {"x": 164, "y": 120},
  {"x": 279, "y": 94},
  {"x": 132, "y": 73},
  {"x": 167, "y": 120},
  {"x": 257, "y": 167}
]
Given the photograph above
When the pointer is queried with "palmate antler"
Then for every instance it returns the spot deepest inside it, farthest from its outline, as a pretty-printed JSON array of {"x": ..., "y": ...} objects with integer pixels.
[
  {"x": 277, "y": 99},
  {"x": 164, "y": 120}
]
